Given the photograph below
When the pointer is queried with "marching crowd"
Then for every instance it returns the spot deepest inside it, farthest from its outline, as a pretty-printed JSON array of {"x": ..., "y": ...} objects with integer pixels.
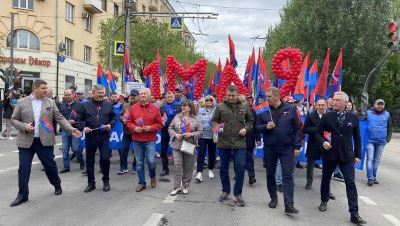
[{"x": 232, "y": 126}]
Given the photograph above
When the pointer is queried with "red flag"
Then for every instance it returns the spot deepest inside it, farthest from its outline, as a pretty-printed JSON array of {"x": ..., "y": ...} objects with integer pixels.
[
  {"x": 320, "y": 88},
  {"x": 263, "y": 79},
  {"x": 232, "y": 52},
  {"x": 300, "y": 91},
  {"x": 251, "y": 68}
]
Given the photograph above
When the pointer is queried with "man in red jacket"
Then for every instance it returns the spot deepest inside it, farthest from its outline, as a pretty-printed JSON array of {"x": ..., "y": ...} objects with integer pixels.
[{"x": 144, "y": 121}]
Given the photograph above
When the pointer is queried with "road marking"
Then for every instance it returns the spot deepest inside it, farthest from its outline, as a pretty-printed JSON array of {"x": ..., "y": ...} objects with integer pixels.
[
  {"x": 59, "y": 144},
  {"x": 8, "y": 169},
  {"x": 392, "y": 219},
  {"x": 15, "y": 151},
  {"x": 170, "y": 199},
  {"x": 34, "y": 163},
  {"x": 154, "y": 219},
  {"x": 2, "y": 155},
  {"x": 58, "y": 156},
  {"x": 367, "y": 200}
]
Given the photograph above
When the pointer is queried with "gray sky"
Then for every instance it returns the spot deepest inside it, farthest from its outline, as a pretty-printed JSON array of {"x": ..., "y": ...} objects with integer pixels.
[{"x": 246, "y": 20}]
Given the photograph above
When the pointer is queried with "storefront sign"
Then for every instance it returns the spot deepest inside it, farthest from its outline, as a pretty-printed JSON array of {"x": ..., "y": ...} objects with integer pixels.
[{"x": 30, "y": 60}]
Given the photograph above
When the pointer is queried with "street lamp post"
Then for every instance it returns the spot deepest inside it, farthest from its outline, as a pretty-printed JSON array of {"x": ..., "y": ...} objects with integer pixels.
[{"x": 215, "y": 41}]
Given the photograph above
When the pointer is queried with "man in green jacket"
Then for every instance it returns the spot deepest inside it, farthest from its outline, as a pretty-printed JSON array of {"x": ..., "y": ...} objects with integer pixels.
[{"x": 233, "y": 120}]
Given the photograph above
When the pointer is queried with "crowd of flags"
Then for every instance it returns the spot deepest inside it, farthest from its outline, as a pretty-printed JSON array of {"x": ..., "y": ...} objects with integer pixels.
[
  {"x": 310, "y": 86},
  {"x": 108, "y": 79}
]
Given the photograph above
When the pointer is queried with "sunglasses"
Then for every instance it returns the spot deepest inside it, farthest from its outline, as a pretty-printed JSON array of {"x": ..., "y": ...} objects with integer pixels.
[{"x": 209, "y": 100}]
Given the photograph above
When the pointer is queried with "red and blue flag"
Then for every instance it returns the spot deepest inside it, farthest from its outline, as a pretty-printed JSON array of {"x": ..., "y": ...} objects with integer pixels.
[
  {"x": 111, "y": 81},
  {"x": 300, "y": 91},
  {"x": 46, "y": 124},
  {"x": 335, "y": 83},
  {"x": 320, "y": 88},
  {"x": 127, "y": 72},
  {"x": 232, "y": 52},
  {"x": 101, "y": 77},
  {"x": 312, "y": 81},
  {"x": 263, "y": 107}
]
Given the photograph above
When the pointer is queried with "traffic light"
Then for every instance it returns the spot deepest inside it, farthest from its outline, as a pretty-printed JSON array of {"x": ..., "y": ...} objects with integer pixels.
[{"x": 393, "y": 36}]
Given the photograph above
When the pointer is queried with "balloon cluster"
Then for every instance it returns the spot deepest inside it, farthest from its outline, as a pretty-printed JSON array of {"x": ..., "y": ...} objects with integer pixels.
[
  {"x": 229, "y": 76},
  {"x": 286, "y": 65},
  {"x": 198, "y": 70},
  {"x": 153, "y": 70}
]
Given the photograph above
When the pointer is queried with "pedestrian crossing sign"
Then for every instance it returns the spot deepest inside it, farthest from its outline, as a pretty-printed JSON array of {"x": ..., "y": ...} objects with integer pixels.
[
  {"x": 119, "y": 48},
  {"x": 176, "y": 24}
]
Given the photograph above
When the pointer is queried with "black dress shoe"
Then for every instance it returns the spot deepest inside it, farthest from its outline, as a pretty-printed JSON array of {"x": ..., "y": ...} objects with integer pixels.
[
  {"x": 323, "y": 207},
  {"x": 164, "y": 173},
  {"x": 58, "y": 190},
  {"x": 64, "y": 170},
  {"x": 308, "y": 186},
  {"x": 106, "y": 186},
  {"x": 90, "y": 188},
  {"x": 299, "y": 166},
  {"x": 318, "y": 166},
  {"x": 72, "y": 156},
  {"x": 252, "y": 180},
  {"x": 82, "y": 166},
  {"x": 356, "y": 219},
  {"x": 19, "y": 200},
  {"x": 84, "y": 173},
  {"x": 273, "y": 203},
  {"x": 291, "y": 210},
  {"x": 331, "y": 196}
]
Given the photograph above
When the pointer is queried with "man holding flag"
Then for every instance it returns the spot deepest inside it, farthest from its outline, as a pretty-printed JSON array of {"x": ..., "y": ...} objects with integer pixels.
[
  {"x": 32, "y": 118},
  {"x": 72, "y": 111}
]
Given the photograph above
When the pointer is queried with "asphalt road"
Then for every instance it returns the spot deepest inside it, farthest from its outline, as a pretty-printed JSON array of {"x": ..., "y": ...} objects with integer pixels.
[{"x": 379, "y": 204}]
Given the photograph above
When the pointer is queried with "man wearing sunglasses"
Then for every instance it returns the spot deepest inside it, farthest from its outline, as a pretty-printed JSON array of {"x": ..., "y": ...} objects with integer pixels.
[{"x": 379, "y": 133}]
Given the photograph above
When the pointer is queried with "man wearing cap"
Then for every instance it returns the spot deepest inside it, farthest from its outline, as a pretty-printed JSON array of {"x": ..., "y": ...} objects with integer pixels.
[
  {"x": 127, "y": 137},
  {"x": 379, "y": 133}
]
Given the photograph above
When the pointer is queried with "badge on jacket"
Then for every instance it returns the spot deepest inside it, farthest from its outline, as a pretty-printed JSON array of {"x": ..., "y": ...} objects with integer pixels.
[
  {"x": 349, "y": 124},
  {"x": 285, "y": 113},
  {"x": 48, "y": 108}
]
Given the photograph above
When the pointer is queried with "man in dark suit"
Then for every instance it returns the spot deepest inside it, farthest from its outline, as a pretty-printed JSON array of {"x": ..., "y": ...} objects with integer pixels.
[
  {"x": 33, "y": 117},
  {"x": 339, "y": 151}
]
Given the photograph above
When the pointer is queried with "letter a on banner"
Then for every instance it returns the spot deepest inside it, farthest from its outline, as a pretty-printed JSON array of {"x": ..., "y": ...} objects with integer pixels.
[{"x": 175, "y": 24}]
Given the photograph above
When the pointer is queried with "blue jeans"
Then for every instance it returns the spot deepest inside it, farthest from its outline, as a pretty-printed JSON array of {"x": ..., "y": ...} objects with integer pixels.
[
  {"x": 239, "y": 157},
  {"x": 123, "y": 155},
  {"x": 374, "y": 153},
  {"x": 142, "y": 150},
  {"x": 70, "y": 142},
  {"x": 278, "y": 174}
]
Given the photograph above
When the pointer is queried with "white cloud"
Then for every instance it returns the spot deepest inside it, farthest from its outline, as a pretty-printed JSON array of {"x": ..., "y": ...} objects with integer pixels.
[{"x": 241, "y": 24}]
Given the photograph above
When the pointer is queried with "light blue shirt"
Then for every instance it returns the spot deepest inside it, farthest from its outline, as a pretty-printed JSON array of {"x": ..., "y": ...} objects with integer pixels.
[{"x": 37, "y": 107}]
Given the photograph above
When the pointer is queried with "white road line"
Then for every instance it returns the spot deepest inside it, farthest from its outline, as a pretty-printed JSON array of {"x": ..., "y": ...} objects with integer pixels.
[
  {"x": 2, "y": 155},
  {"x": 170, "y": 199},
  {"x": 8, "y": 169},
  {"x": 34, "y": 163},
  {"x": 58, "y": 156},
  {"x": 367, "y": 200},
  {"x": 59, "y": 144},
  {"x": 392, "y": 219},
  {"x": 154, "y": 219},
  {"x": 15, "y": 151}
]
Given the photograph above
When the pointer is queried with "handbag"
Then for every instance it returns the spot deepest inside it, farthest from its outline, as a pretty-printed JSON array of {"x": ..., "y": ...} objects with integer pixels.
[{"x": 188, "y": 147}]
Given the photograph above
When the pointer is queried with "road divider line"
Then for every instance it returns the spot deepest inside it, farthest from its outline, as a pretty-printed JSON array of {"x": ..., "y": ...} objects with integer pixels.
[
  {"x": 154, "y": 219},
  {"x": 392, "y": 219},
  {"x": 2, "y": 155},
  {"x": 367, "y": 200},
  {"x": 170, "y": 199}
]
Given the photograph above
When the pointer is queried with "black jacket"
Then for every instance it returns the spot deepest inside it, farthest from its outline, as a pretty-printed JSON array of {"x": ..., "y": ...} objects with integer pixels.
[
  {"x": 8, "y": 108},
  {"x": 252, "y": 136},
  {"x": 72, "y": 112},
  {"x": 95, "y": 114},
  {"x": 287, "y": 131},
  {"x": 342, "y": 137},
  {"x": 314, "y": 143}
]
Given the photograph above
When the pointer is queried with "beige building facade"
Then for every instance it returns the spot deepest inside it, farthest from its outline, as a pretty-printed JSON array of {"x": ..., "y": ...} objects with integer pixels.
[{"x": 72, "y": 27}]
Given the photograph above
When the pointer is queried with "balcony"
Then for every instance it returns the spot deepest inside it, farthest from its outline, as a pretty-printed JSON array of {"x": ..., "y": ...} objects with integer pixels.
[{"x": 92, "y": 6}]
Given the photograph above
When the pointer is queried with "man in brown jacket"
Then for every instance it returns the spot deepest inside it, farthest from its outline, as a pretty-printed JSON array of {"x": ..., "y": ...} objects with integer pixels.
[{"x": 33, "y": 117}]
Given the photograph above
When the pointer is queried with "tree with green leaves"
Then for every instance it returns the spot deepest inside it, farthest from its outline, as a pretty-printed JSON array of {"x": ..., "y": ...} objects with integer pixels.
[
  {"x": 147, "y": 38},
  {"x": 357, "y": 26}
]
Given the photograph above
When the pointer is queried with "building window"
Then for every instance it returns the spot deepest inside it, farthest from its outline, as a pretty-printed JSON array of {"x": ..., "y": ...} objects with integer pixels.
[
  {"x": 69, "y": 47},
  {"x": 23, "y": 4},
  {"x": 69, "y": 12},
  {"x": 87, "y": 53},
  {"x": 24, "y": 39},
  {"x": 88, "y": 85},
  {"x": 88, "y": 22},
  {"x": 143, "y": 8},
  {"x": 116, "y": 10},
  {"x": 69, "y": 81},
  {"x": 104, "y": 5}
]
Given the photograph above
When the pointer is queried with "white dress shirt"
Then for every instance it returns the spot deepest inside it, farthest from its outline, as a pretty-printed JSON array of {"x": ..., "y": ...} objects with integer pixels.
[{"x": 37, "y": 107}]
